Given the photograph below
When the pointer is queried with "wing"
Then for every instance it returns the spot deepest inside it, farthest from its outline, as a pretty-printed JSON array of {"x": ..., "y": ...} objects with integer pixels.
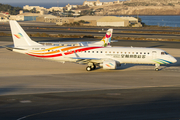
[{"x": 82, "y": 60}]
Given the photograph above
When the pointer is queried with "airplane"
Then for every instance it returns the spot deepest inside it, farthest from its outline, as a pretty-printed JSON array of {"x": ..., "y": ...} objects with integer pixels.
[
  {"x": 104, "y": 42},
  {"x": 93, "y": 56}
]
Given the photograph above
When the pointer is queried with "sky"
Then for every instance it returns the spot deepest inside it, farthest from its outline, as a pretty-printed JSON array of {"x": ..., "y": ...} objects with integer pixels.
[{"x": 48, "y": 1}]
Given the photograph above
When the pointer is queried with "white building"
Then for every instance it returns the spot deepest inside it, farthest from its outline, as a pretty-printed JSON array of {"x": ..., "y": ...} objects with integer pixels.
[
  {"x": 38, "y": 8},
  {"x": 92, "y": 3},
  {"x": 69, "y": 7},
  {"x": 55, "y": 9},
  {"x": 98, "y": 3},
  {"x": 17, "y": 17}
]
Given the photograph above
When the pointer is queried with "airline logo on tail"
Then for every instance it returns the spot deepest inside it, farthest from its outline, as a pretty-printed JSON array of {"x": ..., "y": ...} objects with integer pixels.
[
  {"x": 107, "y": 37},
  {"x": 19, "y": 35}
]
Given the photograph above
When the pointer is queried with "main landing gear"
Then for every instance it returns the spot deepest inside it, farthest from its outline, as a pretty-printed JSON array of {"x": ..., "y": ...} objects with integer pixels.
[
  {"x": 157, "y": 67},
  {"x": 91, "y": 66}
]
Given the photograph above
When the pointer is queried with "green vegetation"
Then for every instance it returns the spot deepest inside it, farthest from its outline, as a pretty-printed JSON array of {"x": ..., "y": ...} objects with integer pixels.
[
  {"x": 82, "y": 7},
  {"x": 12, "y": 10},
  {"x": 4, "y": 34},
  {"x": 87, "y": 12},
  {"x": 99, "y": 9},
  {"x": 90, "y": 36},
  {"x": 170, "y": 4},
  {"x": 75, "y": 23}
]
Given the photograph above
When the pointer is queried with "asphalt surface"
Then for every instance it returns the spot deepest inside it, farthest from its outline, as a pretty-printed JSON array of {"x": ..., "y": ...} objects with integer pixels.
[
  {"x": 53, "y": 25},
  {"x": 127, "y": 43},
  {"x": 36, "y": 89},
  {"x": 96, "y": 32},
  {"x": 136, "y": 104}
]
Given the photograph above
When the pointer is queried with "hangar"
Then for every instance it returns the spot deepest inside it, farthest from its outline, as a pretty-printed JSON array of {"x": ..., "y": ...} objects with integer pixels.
[
  {"x": 103, "y": 21},
  {"x": 90, "y": 20},
  {"x": 112, "y": 21}
]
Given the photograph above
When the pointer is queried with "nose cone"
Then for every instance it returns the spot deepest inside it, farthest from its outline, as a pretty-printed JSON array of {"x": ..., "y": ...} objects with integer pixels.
[{"x": 173, "y": 60}]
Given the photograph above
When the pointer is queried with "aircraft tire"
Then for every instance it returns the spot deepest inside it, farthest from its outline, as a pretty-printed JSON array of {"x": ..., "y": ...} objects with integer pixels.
[
  {"x": 156, "y": 69},
  {"x": 88, "y": 68}
]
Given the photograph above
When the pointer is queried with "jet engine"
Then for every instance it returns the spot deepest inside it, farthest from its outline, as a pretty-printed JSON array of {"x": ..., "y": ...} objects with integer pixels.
[{"x": 110, "y": 64}]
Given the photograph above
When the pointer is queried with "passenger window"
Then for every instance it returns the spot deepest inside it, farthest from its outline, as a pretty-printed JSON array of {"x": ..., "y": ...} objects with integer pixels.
[
  {"x": 101, "y": 52},
  {"x": 127, "y": 56},
  {"x": 136, "y": 52},
  {"x": 92, "y": 51},
  {"x": 88, "y": 51},
  {"x": 135, "y": 56},
  {"x": 96, "y": 51}
]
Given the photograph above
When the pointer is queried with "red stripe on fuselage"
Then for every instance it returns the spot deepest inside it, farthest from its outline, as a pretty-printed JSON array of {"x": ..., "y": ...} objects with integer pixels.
[
  {"x": 82, "y": 49},
  {"x": 49, "y": 56},
  {"x": 67, "y": 53}
]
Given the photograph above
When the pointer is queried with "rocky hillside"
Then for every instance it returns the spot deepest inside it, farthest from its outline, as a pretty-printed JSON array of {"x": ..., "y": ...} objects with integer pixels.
[{"x": 140, "y": 7}]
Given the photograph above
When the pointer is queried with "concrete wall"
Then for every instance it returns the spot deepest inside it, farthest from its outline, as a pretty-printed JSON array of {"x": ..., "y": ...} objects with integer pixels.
[
  {"x": 17, "y": 17},
  {"x": 116, "y": 24}
]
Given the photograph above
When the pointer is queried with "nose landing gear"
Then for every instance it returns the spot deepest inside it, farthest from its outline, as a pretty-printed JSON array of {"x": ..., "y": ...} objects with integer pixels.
[{"x": 157, "y": 67}]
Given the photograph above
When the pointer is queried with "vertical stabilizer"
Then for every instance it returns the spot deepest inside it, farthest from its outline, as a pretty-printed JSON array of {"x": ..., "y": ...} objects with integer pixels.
[
  {"x": 20, "y": 38},
  {"x": 107, "y": 37}
]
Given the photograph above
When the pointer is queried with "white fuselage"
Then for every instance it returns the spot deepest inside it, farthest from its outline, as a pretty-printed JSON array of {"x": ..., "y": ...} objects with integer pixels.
[{"x": 133, "y": 55}]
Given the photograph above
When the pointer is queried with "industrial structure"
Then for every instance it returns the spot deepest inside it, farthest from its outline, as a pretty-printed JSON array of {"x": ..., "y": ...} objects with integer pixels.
[{"x": 92, "y": 20}]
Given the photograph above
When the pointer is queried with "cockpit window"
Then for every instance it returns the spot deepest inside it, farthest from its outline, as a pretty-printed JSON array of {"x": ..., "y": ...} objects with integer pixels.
[{"x": 164, "y": 53}]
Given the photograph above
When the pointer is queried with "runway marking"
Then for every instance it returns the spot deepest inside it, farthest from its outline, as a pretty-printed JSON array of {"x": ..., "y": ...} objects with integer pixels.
[
  {"x": 162, "y": 68},
  {"x": 28, "y": 116},
  {"x": 25, "y": 101}
]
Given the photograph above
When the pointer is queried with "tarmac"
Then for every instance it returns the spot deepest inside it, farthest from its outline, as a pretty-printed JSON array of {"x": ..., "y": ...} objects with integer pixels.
[
  {"x": 23, "y": 74},
  {"x": 37, "y": 89}
]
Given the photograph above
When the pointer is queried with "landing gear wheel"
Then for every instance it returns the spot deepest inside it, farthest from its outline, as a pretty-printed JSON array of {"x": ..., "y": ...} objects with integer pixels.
[
  {"x": 156, "y": 69},
  {"x": 88, "y": 68}
]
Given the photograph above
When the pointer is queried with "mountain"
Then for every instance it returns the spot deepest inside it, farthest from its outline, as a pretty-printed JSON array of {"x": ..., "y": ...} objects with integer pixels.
[
  {"x": 140, "y": 7},
  {"x": 10, "y": 9}
]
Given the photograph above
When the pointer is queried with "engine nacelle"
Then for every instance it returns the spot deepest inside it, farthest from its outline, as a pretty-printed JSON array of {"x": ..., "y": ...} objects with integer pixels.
[{"x": 109, "y": 64}]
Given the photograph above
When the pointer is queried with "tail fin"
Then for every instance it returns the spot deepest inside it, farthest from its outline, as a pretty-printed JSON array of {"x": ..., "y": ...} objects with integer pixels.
[
  {"x": 20, "y": 38},
  {"x": 107, "y": 37}
]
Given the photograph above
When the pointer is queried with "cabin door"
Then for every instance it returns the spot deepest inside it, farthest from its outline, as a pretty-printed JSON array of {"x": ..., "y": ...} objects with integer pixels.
[{"x": 154, "y": 54}]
